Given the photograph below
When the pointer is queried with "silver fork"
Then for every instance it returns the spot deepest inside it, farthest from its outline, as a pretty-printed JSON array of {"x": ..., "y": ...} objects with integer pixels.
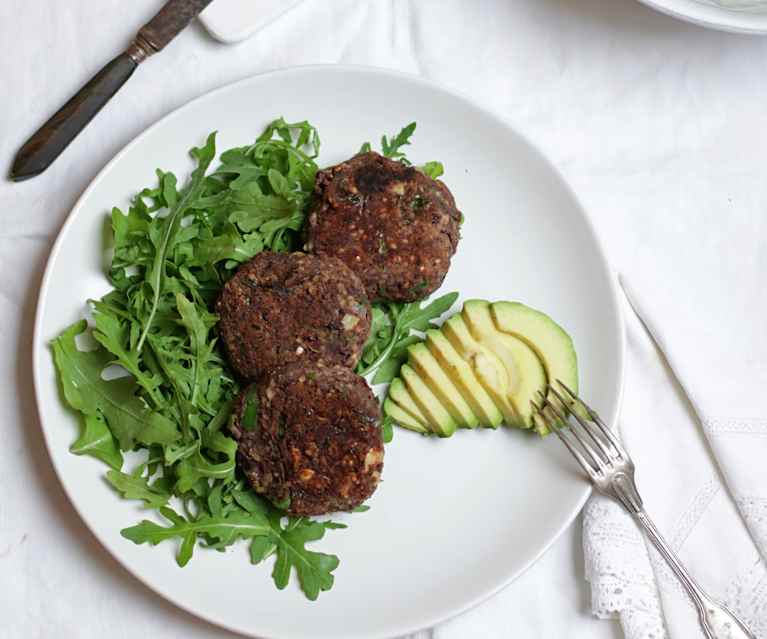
[{"x": 611, "y": 470}]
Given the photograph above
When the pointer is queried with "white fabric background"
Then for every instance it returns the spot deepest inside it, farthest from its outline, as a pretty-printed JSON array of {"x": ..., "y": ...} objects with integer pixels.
[{"x": 657, "y": 124}]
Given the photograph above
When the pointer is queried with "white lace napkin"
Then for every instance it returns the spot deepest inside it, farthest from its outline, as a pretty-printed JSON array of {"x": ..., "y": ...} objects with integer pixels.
[{"x": 694, "y": 429}]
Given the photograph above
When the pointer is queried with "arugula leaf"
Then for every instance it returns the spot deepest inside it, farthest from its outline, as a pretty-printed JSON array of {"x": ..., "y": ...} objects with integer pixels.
[
  {"x": 314, "y": 569},
  {"x": 387, "y": 429},
  {"x": 413, "y": 317},
  {"x": 137, "y": 487},
  {"x": 268, "y": 537},
  {"x": 391, "y": 148},
  {"x": 191, "y": 469},
  {"x": 170, "y": 224},
  {"x": 261, "y": 548},
  {"x": 250, "y": 415},
  {"x": 433, "y": 169},
  {"x": 248, "y": 501},
  {"x": 114, "y": 334},
  {"x": 127, "y": 416},
  {"x": 389, "y": 368},
  {"x": 198, "y": 337},
  {"x": 390, "y": 335},
  {"x": 228, "y": 529},
  {"x": 215, "y": 501},
  {"x": 97, "y": 441}
]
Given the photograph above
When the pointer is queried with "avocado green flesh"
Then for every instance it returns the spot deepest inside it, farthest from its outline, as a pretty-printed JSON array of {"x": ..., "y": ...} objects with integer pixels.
[
  {"x": 401, "y": 396},
  {"x": 487, "y": 368},
  {"x": 426, "y": 365},
  {"x": 486, "y": 365},
  {"x": 460, "y": 372},
  {"x": 552, "y": 345},
  {"x": 529, "y": 371},
  {"x": 439, "y": 420},
  {"x": 402, "y": 417},
  {"x": 526, "y": 371}
]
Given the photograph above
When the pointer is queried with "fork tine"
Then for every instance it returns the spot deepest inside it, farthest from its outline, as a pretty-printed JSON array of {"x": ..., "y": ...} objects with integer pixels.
[
  {"x": 608, "y": 433},
  {"x": 584, "y": 463},
  {"x": 596, "y": 419},
  {"x": 596, "y": 459},
  {"x": 586, "y": 426}
]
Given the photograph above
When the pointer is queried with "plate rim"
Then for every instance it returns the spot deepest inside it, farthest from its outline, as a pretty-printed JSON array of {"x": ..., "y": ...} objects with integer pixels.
[
  {"x": 731, "y": 21},
  {"x": 38, "y": 341}
]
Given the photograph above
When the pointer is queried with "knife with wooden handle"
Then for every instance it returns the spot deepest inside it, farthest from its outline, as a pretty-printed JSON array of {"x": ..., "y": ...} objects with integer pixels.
[{"x": 48, "y": 142}]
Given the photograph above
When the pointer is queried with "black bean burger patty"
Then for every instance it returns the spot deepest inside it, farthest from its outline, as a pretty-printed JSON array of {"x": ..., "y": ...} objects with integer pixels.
[
  {"x": 391, "y": 224},
  {"x": 286, "y": 307},
  {"x": 309, "y": 438}
]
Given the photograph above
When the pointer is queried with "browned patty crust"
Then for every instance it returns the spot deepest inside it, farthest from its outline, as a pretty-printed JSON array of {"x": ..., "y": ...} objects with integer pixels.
[
  {"x": 287, "y": 307},
  {"x": 391, "y": 224},
  {"x": 310, "y": 441}
]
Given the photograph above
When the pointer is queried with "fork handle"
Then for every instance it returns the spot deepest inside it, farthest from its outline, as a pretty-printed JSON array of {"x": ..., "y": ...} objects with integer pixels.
[{"x": 717, "y": 621}]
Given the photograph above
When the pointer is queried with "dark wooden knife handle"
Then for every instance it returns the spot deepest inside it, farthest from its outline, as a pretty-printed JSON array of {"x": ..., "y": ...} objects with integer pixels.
[{"x": 64, "y": 126}]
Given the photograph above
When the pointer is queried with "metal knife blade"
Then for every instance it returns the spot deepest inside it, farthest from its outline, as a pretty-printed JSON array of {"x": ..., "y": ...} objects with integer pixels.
[{"x": 50, "y": 140}]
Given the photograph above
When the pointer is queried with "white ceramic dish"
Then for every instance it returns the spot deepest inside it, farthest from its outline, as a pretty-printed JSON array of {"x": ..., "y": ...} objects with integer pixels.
[
  {"x": 454, "y": 520},
  {"x": 232, "y": 21},
  {"x": 713, "y": 16}
]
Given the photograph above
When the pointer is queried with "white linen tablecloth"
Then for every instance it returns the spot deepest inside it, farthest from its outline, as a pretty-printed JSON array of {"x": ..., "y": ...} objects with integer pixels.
[{"x": 660, "y": 126}]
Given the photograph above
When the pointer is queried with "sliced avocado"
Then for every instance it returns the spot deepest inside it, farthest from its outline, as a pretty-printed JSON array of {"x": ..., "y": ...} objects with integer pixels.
[
  {"x": 551, "y": 343},
  {"x": 531, "y": 376},
  {"x": 439, "y": 420},
  {"x": 400, "y": 395},
  {"x": 525, "y": 369},
  {"x": 403, "y": 418},
  {"x": 488, "y": 369},
  {"x": 463, "y": 378},
  {"x": 426, "y": 365},
  {"x": 476, "y": 314}
]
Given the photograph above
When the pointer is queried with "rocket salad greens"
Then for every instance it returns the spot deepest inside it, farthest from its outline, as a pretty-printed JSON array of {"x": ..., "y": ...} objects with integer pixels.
[{"x": 160, "y": 422}]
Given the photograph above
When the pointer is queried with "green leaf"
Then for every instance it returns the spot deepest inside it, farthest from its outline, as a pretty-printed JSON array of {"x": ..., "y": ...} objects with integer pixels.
[
  {"x": 386, "y": 348},
  {"x": 250, "y": 415},
  {"x": 261, "y": 548},
  {"x": 389, "y": 368},
  {"x": 278, "y": 182},
  {"x": 282, "y": 504},
  {"x": 387, "y": 430},
  {"x": 314, "y": 569},
  {"x": 170, "y": 224},
  {"x": 127, "y": 416},
  {"x": 224, "y": 530},
  {"x": 186, "y": 550},
  {"x": 391, "y": 148},
  {"x": 432, "y": 169},
  {"x": 413, "y": 317},
  {"x": 215, "y": 505},
  {"x": 176, "y": 452},
  {"x": 227, "y": 529},
  {"x": 97, "y": 441},
  {"x": 248, "y": 500},
  {"x": 198, "y": 336},
  {"x": 196, "y": 467},
  {"x": 132, "y": 487}
]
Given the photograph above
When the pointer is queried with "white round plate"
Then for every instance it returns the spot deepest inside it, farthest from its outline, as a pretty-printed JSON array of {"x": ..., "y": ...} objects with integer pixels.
[
  {"x": 712, "y": 15},
  {"x": 454, "y": 520}
]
